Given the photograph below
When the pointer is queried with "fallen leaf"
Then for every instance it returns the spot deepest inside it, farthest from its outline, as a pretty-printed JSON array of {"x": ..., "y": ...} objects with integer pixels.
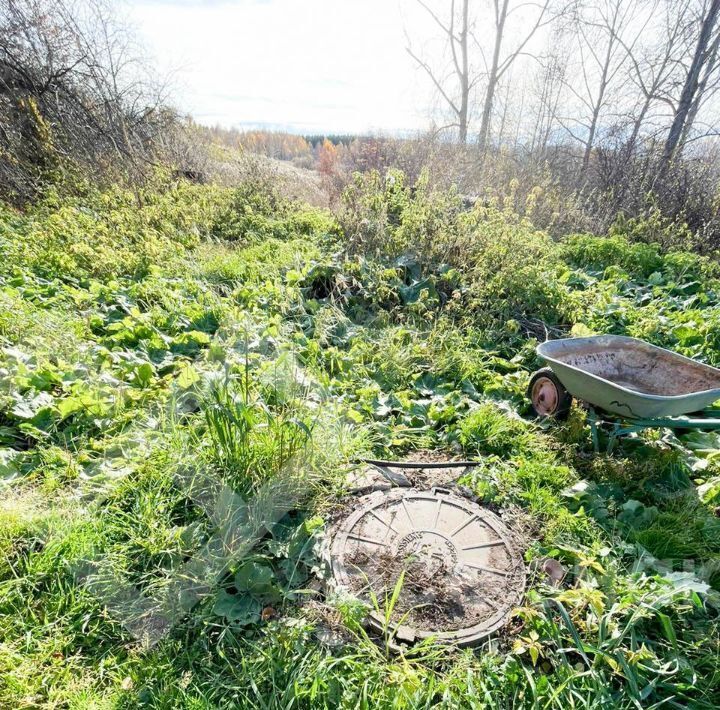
[{"x": 554, "y": 570}]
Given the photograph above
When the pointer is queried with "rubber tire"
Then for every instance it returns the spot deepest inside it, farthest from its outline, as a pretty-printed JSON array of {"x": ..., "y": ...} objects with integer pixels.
[{"x": 564, "y": 398}]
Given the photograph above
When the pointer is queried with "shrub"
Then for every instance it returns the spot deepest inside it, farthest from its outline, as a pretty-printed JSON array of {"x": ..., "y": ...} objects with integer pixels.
[
  {"x": 257, "y": 212},
  {"x": 384, "y": 216},
  {"x": 108, "y": 234},
  {"x": 597, "y": 254},
  {"x": 638, "y": 259},
  {"x": 506, "y": 268},
  {"x": 652, "y": 227},
  {"x": 514, "y": 271}
]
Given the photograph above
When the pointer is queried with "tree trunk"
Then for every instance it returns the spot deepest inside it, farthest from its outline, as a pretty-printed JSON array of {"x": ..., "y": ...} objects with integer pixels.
[
  {"x": 493, "y": 76},
  {"x": 599, "y": 103},
  {"x": 464, "y": 78},
  {"x": 712, "y": 57},
  {"x": 691, "y": 88}
]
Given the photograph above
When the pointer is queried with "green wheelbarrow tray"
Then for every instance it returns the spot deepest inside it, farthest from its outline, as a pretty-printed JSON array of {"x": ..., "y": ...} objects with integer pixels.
[{"x": 631, "y": 378}]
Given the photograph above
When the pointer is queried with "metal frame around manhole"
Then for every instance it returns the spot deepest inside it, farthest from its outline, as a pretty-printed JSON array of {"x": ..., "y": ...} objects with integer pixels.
[{"x": 399, "y": 537}]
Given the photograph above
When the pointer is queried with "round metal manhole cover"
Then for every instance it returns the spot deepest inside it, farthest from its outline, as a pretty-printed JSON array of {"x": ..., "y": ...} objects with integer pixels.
[{"x": 462, "y": 574}]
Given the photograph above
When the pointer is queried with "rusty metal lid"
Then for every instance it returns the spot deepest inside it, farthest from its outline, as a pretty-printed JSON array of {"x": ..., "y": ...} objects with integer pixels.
[{"x": 462, "y": 574}]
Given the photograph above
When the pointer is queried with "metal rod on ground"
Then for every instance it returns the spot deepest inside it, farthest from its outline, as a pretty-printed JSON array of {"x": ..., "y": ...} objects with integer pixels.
[{"x": 422, "y": 464}]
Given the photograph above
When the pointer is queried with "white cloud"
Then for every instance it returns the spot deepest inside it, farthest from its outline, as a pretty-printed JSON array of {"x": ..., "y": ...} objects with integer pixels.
[{"x": 313, "y": 65}]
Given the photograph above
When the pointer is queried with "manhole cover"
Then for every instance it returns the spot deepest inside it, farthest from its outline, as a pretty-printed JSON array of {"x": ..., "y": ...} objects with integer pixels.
[{"x": 462, "y": 574}]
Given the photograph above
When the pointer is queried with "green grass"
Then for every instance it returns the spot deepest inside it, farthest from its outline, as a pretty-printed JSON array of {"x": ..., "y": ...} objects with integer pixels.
[{"x": 233, "y": 335}]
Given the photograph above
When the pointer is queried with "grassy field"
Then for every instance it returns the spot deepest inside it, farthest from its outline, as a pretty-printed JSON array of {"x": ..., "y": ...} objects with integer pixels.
[{"x": 259, "y": 343}]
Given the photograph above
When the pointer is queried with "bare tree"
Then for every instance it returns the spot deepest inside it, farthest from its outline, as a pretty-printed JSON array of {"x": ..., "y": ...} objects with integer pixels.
[
  {"x": 548, "y": 82},
  {"x": 515, "y": 23},
  {"x": 622, "y": 88},
  {"x": 655, "y": 65},
  {"x": 72, "y": 89},
  {"x": 606, "y": 31},
  {"x": 697, "y": 79},
  {"x": 501, "y": 62},
  {"x": 707, "y": 88},
  {"x": 456, "y": 31}
]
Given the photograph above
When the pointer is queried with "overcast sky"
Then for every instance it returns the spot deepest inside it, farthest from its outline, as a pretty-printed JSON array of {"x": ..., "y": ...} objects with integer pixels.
[{"x": 303, "y": 65}]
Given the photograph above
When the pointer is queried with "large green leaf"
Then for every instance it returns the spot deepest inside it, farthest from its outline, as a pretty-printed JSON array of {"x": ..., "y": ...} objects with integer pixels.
[
  {"x": 9, "y": 464},
  {"x": 240, "y": 609},
  {"x": 258, "y": 580}
]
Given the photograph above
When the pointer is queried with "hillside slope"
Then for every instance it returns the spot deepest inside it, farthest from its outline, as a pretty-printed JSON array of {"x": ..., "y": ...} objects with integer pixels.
[{"x": 224, "y": 335}]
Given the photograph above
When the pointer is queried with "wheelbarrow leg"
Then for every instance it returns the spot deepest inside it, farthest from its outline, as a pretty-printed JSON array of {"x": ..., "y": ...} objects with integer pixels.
[
  {"x": 592, "y": 418},
  {"x": 595, "y": 436},
  {"x": 613, "y": 437},
  {"x": 615, "y": 432}
]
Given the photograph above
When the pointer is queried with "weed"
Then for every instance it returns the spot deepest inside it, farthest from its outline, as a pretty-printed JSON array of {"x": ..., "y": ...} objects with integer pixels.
[{"x": 234, "y": 333}]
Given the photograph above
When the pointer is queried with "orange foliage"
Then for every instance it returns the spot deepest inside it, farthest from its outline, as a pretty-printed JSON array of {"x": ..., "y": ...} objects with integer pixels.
[{"x": 327, "y": 159}]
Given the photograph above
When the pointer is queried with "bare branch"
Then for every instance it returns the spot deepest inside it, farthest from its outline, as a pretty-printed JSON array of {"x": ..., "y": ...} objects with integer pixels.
[{"x": 423, "y": 65}]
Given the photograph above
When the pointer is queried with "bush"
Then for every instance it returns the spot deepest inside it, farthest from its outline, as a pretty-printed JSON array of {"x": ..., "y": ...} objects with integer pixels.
[
  {"x": 107, "y": 234},
  {"x": 514, "y": 271},
  {"x": 652, "y": 227},
  {"x": 505, "y": 268},
  {"x": 255, "y": 212},
  {"x": 638, "y": 259},
  {"x": 597, "y": 254},
  {"x": 386, "y": 217}
]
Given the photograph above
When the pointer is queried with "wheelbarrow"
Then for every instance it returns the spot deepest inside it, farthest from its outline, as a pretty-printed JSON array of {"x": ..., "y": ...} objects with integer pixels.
[{"x": 626, "y": 385}]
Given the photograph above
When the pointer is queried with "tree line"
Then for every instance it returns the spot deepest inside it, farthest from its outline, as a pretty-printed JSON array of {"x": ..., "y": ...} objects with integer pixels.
[
  {"x": 618, "y": 99},
  {"x": 596, "y": 72}
]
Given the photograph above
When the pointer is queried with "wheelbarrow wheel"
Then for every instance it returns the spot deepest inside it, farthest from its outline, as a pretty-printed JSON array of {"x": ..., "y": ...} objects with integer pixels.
[{"x": 548, "y": 398}]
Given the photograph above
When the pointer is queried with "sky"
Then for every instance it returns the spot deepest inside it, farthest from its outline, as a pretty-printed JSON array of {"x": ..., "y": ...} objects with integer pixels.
[{"x": 306, "y": 66}]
